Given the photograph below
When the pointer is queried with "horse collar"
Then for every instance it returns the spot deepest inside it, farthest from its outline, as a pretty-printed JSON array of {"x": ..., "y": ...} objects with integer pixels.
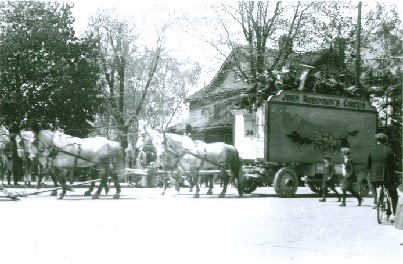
[{"x": 173, "y": 152}]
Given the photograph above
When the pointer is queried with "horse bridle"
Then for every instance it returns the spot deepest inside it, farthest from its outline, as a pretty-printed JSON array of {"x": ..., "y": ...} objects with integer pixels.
[
  {"x": 53, "y": 150},
  {"x": 168, "y": 148},
  {"x": 202, "y": 158}
]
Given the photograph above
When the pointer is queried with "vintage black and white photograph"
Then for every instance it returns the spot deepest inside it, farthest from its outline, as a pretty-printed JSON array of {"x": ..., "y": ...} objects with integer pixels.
[{"x": 201, "y": 131}]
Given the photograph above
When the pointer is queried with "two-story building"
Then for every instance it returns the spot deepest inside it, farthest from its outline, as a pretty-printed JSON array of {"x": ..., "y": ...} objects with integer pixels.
[{"x": 210, "y": 108}]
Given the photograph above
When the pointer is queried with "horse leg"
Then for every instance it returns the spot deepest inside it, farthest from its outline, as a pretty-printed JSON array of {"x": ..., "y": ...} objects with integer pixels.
[
  {"x": 55, "y": 180},
  {"x": 62, "y": 178},
  {"x": 238, "y": 176},
  {"x": 191, "y": 183},
  {"x": 100, "y": 186},
  {"x": 210, "y": 181},
  {"x": 176, "y": 178},
  {"x": 107, "y": 184},
  {"x": 92, "y": 185},
  {"x": 177, "y": 182},
  {"x": 104, "y": 180},
  {"x": 90, "y": 189},
  {"x": 69, "y": 179},
  {"x": 39, "y": 182},
  {"x": 71, "y": 174},
  {"x": 116, "y": 184},
  {"x": 197, "y": 185},
  {"x": 225, "y": 179},
  {"x": 164, "y": 185}
]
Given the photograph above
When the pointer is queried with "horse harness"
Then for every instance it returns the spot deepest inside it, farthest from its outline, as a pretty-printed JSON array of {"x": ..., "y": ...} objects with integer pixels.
[
  {"x": 54, "y": 150},
  {"x": 174, "y": 153},
  {"x": 202, "y": 158}
]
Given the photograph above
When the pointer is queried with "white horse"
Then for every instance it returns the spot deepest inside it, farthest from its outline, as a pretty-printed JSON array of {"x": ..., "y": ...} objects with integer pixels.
[
  {"x": 34, "y": 166},
  {"x": 63, "y": 152},
  {"x": 181, "y": 152}
]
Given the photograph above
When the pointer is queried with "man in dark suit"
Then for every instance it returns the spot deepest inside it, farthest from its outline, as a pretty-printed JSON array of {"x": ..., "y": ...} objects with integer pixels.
[
  {"x": 349, "y": 177},
  {"x": 12, "y": 155},
  {"x": 381, "y": 167}
]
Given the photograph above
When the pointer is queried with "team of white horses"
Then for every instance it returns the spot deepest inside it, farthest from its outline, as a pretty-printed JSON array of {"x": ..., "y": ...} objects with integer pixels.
[{"x": 58, "y": 153}]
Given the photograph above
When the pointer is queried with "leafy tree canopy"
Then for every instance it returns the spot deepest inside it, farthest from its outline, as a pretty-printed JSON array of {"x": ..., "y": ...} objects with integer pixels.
[{"x": 46, "y": 72}]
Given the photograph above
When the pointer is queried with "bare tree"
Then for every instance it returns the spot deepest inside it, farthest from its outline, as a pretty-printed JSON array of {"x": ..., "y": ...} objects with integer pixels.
[
  {"x": 262, "y": 36},
  {"x": 141, "y": 79},
  {"x": 119, "y": 50}
]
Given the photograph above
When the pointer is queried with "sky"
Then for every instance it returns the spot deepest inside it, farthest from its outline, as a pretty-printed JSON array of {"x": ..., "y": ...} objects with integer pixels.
[{"x": 149, "y": 15}]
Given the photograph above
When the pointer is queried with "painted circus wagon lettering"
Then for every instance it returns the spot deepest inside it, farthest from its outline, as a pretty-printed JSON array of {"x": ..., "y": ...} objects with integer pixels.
[{"x": 294, "y": 130}]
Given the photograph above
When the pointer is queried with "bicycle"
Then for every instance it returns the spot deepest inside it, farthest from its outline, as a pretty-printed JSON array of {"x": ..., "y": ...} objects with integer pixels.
[{"x": 383, "y": 206}]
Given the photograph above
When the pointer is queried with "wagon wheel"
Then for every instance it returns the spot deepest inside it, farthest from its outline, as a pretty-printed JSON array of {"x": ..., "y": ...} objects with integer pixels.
[
  {"x": 361, "y": 186},
  {"x": 249, "y": 185},
  {"x": 285, "y": 182},
  {"x": 315, "y": 187}
]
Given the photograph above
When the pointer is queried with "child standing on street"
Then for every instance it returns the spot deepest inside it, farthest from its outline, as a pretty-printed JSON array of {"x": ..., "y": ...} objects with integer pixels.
[
  {"x": 328, "y": 180},
  {"x": 349, "y": 177}
]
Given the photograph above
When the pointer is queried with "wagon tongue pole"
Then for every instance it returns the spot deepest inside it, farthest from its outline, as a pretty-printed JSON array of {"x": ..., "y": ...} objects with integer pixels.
[
  {"x": 14, "y": 196},
  {"x": 10, "y": 195}
]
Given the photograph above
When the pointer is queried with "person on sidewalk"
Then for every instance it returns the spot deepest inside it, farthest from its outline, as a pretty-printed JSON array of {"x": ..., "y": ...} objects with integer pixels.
[
  {"x": 381, "y": 167},
  {"x": 14, "y": 166},
  {"x": 328, "y": 180},
  {"x": 349, "y": 177}
]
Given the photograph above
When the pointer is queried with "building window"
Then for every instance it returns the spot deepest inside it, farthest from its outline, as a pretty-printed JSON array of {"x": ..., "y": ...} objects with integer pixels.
[
  {"x": 205, "y": 111},
  {"x": 237, "y": 77},
  {"x": 217, "y": 111},
  {"x": 238, "y": 72}
]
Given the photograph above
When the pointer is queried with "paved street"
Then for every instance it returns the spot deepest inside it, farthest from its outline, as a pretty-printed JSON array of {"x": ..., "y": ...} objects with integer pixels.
[{"x": 145, "y": 227}]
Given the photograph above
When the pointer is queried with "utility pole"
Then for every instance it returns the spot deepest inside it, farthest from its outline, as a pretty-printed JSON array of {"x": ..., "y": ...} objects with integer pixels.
[{"x": 358, "y": 48}]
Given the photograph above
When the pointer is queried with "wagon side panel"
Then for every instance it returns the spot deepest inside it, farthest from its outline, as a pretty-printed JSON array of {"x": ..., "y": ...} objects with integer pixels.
[{"x": 299, "y": 131}]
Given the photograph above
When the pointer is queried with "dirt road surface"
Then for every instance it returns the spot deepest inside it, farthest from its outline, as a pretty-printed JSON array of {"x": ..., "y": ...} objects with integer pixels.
[{"x": 145, "y": 227}]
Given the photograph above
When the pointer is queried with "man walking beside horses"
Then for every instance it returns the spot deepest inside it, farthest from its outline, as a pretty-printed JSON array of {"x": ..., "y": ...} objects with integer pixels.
[{"x": 14, "y": 164}]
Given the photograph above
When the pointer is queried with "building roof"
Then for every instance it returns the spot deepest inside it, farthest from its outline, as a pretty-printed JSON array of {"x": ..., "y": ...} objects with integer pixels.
[
  {"x": 225, "y": 92},
  {"x": 215, "y": 88},
  {"x": 216, "y": 120}
]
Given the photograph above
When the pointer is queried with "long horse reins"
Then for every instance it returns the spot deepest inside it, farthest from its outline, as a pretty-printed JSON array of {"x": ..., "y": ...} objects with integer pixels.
[
  {"x": 186, "y": 151},
  {"x": 53, "y": 148}
]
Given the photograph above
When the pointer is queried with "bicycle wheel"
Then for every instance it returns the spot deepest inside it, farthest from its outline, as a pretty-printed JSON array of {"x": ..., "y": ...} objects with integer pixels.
[
  {"x": 388, "y": 205},
  {"x": 381, "y": 206}
]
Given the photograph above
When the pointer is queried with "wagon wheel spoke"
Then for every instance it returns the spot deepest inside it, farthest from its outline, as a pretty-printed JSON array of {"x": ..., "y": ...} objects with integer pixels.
[{"x": 285, "y": 182}]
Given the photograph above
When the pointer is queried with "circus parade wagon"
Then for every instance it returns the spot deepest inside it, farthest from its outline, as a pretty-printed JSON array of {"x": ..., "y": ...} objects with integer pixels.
[{"x": 282, "y": 142}]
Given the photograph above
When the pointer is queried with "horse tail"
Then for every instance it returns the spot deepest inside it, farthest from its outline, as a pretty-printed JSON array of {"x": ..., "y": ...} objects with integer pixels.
[{"x": 234, "y": 162}]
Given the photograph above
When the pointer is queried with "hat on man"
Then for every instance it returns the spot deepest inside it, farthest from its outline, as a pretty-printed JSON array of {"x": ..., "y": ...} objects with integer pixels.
[
  {"x": 381, "y": 137},
  {"x": 14, "y": 128},
  {"x": 346, "y": 151},
  {"x": 35, "y": 126}
]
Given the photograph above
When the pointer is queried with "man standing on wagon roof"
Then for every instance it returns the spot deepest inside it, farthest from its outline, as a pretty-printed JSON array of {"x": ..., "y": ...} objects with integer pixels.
[{"x": 381, "y": 167}]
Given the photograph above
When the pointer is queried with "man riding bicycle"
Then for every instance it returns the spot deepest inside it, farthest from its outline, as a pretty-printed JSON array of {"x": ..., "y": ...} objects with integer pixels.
[{"x": 381, "y": 167}]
